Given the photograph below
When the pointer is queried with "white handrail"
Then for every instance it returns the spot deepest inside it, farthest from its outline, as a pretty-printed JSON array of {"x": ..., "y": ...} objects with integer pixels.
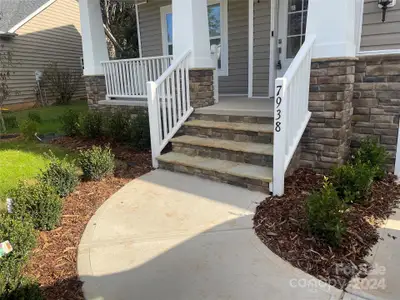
[
  {"x": 168, "y": 104},
  {"x": 291, "y": 114},
  {"x": 127, "y": 78}
]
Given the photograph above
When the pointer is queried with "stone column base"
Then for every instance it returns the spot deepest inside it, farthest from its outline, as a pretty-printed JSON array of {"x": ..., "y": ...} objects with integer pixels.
[
  {"x": 326, "y": 141},
  {"x": 95, "y": 89},
  {"x": 201, "y": 87}
]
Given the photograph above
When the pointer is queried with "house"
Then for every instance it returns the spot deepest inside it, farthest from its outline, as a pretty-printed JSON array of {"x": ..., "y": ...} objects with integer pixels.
[
  {"x": 39, "y": 32},
  {"x": 248, "y": 90}
]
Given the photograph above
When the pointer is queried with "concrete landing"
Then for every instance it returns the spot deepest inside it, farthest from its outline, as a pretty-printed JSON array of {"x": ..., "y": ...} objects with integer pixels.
[{"x": 171, "y": 236}]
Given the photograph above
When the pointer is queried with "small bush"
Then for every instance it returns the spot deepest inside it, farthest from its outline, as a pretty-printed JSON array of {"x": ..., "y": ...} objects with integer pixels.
[
  {"x": 26, "y": 288},
  {"x": 39, "y": 203},
  {"x": 62, "y": 82},
  {"x": 11, "y": 122},
  {"x": 92, "y": 126},
  {"x": 70, "y": 123},
  {"x": 61, "y": 175},
  {"x": 353, "y": 181},
  {"x": 28, "y": 129},
  {"x": 35, "y": 117},
  {"x": 374, "y": 155},
  {"x": 140, "y": 132},
  {"x": 22, "y": 237},
  {"x": 325, "y": 214},
  {"x": 96, "y": 163},
  {"x": 118, "y": 126}
]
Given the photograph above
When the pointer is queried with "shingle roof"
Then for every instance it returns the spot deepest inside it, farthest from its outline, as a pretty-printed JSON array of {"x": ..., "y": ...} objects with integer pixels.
[{"x": 14, "y": 11}]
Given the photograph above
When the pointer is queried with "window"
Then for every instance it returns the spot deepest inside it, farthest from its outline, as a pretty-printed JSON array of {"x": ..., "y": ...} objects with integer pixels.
[
  {"x": 217, "y": 21},
  {"x": 296, "y": 32}
]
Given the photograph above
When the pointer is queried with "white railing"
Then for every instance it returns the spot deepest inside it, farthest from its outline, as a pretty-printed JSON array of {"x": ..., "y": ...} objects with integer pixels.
[
  {"x": 291, "y": 113},
  {"x": 168, "y": 104},
  {"x": 215, "y": 55},
  {"x": 127, "y": 78}
]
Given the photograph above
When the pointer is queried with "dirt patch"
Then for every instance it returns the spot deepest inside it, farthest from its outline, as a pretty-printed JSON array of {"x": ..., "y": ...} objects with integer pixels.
[
  {"x": 54, "y": 261},
  {"x": 281, "y": 224}
]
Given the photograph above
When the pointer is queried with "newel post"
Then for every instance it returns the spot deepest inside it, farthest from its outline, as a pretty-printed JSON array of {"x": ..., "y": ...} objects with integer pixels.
[
  {"x": 279, "y": 155},
  {"x": 155, "y": 130}
]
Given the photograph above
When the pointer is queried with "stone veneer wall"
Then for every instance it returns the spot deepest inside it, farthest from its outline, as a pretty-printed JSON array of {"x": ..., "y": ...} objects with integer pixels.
[
  {"x": 201, "y": 87},
  {"x": 95, "y": 89},
  {"x": 326, "y": 140},
  {"x": 376, "y": 101}
]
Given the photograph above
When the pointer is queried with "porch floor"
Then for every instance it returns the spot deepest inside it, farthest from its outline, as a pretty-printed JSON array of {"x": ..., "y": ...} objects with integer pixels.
[{"x": 240, "y": 106}]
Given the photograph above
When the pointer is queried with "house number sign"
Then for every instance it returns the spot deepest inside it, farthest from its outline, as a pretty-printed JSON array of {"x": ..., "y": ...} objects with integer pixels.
[{"x": 278, "y": 112}]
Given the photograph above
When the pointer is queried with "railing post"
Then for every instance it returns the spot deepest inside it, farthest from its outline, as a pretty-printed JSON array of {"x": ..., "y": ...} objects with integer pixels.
[
  {"x": 214, "y": 55},
  {"x": 154, "y": 110},
  {"x": 280, "y": 114}
]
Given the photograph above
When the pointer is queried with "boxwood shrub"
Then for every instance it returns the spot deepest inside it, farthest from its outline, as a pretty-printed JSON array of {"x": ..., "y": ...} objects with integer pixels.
[
  {"x": 22, "y": 237},
  {"x": 38, "y": 203},
  {"x": 96, "y": 163},
  {"x": 374, "y": 155},
  {"x": 61, "y": 175}
]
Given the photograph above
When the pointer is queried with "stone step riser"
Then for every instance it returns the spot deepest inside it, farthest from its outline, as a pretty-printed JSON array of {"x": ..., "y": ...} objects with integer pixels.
[
  {"x": 251, "y": 184},
  {"x": 235, "y": 119},
  {"x": 223, "y": 154},
  {"x": 228, "y": 134}
]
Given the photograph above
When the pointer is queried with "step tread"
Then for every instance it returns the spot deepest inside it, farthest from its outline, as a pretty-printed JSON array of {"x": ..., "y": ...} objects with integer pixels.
[
  {"x": 262, "y": 128},
  {"x": 257, "y": 148},
  {"x": 221, "y": 166}
]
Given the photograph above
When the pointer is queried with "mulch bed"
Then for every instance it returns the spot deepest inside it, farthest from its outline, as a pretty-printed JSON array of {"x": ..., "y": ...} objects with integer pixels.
[
  {"x": 54, "y": 261},
  {"x": 281, "y": 224}
]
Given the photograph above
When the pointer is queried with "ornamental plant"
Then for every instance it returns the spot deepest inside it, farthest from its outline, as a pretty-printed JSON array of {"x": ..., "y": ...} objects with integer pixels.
[{"x": 96, "y": 163}]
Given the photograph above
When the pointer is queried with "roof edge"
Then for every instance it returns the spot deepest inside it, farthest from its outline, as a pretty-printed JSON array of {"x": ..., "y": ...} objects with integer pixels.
[{"x": 31, "y": 16}]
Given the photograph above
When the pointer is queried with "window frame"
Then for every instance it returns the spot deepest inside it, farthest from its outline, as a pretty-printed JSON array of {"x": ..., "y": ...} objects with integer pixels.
[{"x": 223, "y": 71}]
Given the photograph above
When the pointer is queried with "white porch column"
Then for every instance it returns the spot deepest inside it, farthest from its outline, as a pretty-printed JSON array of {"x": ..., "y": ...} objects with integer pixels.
[
  {"x": 93, "y": 37},
  {"x": 334, "y": 24},
  {"x": 190, "y": 31}
]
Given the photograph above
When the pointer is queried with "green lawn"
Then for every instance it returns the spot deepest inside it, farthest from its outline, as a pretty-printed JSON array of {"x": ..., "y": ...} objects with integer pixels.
[
  {"x": 50, "y": 116},
  {"x": 20, "y": 160}
]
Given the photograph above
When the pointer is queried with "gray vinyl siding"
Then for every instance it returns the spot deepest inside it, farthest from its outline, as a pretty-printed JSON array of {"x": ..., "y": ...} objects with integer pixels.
[
  {"x": 238, "y": 21},
  {"x": 236, "y": 82},
  {"x": 262, "y": 27},
  {"x": 51, "y": 36},
  {"x": 377, "y": 35}
]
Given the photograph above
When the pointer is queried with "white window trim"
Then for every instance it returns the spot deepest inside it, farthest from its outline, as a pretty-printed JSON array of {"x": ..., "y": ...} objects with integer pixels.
[{"x": 224, "y": 70}]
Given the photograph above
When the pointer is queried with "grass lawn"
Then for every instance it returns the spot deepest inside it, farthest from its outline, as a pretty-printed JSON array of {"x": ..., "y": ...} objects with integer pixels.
[
  {"x": 50, "y": 116},
  {"x": 20, "y": 160}
]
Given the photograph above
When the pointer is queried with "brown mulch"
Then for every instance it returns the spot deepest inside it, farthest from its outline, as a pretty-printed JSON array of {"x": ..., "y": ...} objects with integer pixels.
[
  {"x": 281, "y": 224},
  {"x": 54, "y": 261}
]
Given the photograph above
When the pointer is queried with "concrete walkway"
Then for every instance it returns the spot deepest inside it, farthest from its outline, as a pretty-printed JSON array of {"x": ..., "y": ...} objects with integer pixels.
[{"x": 176, "y": 237}]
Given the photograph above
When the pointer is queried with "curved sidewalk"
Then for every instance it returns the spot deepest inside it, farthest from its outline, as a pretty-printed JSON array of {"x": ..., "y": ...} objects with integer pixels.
[{"x": 177, "y": 237}]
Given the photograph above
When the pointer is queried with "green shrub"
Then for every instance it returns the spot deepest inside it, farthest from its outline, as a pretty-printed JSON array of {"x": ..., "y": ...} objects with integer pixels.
[
  {"x": 374, "y": 155},
  {"x": 353, "y": 181},
  {"x": 70, "y": 123},
  {"x": 325, "y": 214},
  {"x": 96, "y": 163},
  {"x": 118, "y": 126},
  {"x": 38, "y": 202},
  {"x": 26, "y": 288},
  {"x": 28, "y": 129},
  {"x": 92, "y": 126},
  {"x": 61, "y": 175},
  {"x": 140, "y": 132},
  {"x": 11, "y": 122},
  {"x": 35, "y": 117},
  {"x": 22, "y": 237}
]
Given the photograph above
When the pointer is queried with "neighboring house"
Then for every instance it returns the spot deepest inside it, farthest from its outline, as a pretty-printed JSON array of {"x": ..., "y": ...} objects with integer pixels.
[
  {"x": 286, "y": 83},
  {"x": 39, "y": 32}
]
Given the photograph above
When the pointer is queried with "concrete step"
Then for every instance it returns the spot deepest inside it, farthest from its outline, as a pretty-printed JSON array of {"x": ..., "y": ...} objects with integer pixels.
[
  {"x": 240, "y": 174},
  {"x": 239, "y": 132},
  {"x": 231, "y": 118},
  {"x": 241, "y": 152}
]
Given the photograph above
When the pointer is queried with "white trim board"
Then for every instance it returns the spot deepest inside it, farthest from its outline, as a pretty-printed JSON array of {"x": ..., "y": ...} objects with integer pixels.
[{"x": 31, "y": 16}]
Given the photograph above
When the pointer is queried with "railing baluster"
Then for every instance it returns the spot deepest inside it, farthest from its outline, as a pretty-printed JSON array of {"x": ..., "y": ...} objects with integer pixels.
[
  {"x": 164, "y": 110},
  {"x": 168, "y": 82},
  {"x": 187, "y": 85},
  {"x": 179, "y": 91},
  {"x": 174, "y": 98},
  {"x": 183, "y": 102}
]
